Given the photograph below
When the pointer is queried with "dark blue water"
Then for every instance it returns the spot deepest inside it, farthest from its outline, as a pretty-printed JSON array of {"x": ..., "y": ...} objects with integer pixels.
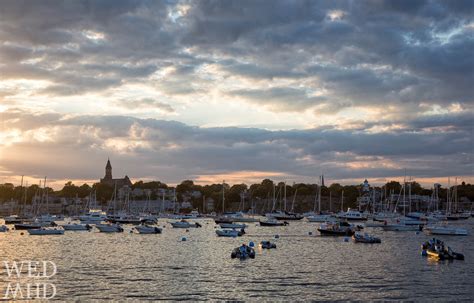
[{"x": 93, "y": 265}]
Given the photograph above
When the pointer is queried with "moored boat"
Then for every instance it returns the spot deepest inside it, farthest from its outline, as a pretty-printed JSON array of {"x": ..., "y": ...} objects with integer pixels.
[
  {"x": 46, "y": 231},
  {"x": 267, "y": 245},
  {"x": 438, "y": 250},
  {"x": 444, "y": 230},
  {"x": 365, "y": 238},
  {"x": 352, "y": 215},
  {"x": 109, "y": 228},
  {"x": 232, "y": 225},
  {"x": 185, "y": 224},
  {"x": 287, "y": 216},
  {"x": 243, "y": 252},
  {"x": 230, "y": 232},
  {"x": 76, "y": 227},
  {"x": 147, "y": 229},
  {"x": 273, "y": 222},
  {"x": 336, "y": 229}
]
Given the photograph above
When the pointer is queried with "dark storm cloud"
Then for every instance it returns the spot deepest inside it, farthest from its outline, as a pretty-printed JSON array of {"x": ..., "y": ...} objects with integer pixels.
[
  {"x": 406, "y": 57},
  {"x": 192, "y": 151},
  {"x": 424, "y": 46}
]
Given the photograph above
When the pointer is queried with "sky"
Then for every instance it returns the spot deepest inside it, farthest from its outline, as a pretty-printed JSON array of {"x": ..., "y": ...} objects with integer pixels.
[{"x": 237, "y": 90}]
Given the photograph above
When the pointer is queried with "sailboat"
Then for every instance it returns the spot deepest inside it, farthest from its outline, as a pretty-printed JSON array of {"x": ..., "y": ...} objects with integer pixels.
[{"x": 319, "y": 216}]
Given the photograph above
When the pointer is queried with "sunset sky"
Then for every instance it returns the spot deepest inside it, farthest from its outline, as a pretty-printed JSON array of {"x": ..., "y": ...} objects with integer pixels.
[{"x": 237, "y": 90}]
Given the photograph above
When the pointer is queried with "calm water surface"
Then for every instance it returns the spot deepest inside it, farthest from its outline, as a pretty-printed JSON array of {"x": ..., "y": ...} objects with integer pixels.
[{"x": 94, "y": 265}]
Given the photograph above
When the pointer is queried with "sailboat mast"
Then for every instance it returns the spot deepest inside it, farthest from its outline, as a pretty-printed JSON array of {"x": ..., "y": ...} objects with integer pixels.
[
  {"x": 319, "y": 193},
  {"x": 223, "y": 197},
  {"x": 342, "y": 201}
]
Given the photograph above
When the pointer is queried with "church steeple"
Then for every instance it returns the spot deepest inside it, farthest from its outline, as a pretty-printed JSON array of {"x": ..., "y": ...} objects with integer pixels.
[{"x": 108, "y": 170}]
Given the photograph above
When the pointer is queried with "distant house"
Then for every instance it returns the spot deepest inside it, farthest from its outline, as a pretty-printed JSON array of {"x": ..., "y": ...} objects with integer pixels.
[{"x": 108, "y": 180}]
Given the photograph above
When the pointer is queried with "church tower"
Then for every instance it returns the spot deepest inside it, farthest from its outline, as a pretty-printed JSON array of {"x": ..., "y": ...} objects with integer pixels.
[{"x": 108, "y": 170}]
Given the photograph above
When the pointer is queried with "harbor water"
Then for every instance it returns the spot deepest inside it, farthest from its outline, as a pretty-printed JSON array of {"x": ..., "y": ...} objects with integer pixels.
[{"x": 124, "y": 266}]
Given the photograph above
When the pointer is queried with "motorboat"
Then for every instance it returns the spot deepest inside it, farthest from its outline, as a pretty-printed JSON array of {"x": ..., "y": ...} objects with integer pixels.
[
  {"x": 34, "y": 225},
  {"x": 185, "y": 224},
  {"x": 337, "y": 229},
  {"x": 365, "y": 238},
  {"x": 93, "y": 216},
  {"x": 223, "y": 219},
  {"x": 46, "y": 231},
  {"x": 76, "y": 227},
  {"x": 273, "y": 222},
  {"x": 124, "y": 219},
  {"x": 243, "y": 252},
  {"x": 444, "y": 230},
  {"x": 109, "y": 228},
  {"x": 149, "y": 218},
  {"x": 4, "y": 228},
  {"x": 14, "y": 219},
  {"x": 267, "y": 245},
  {"x": 352, "y": 215},
  {"x": 232, "y": 225},
  {"x": 438, "y": 250},
  {"x": 147, "y": 229},
  {"x": 230, "y": 232}
]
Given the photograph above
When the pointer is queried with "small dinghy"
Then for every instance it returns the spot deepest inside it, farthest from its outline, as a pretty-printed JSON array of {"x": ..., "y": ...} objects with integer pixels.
[
  {"x": 147, "y": 229},
  {"x": 3, "y": 228},
  {"x": 436, "y": 249},
  {"x": 109, "y": 228},
  {"x": 243, "y": 252},
  {"x": 232, "y": 225},
  {"x": 268, "y": 245},
  {"x": 46, "y": 231},
  {"x": 230, "y": 232},
  {"x": 365, "y": 238},
  {"x": 185, "y": 224},
  {"x": 76, "y": 227}
]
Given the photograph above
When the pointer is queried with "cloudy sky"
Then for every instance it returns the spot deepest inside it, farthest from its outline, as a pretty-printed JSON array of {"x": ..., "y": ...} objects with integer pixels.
[{"x": 237, "y": 90}]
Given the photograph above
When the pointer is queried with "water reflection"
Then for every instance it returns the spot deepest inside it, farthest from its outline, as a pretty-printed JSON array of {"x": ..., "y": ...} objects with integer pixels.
[{"x": 116, "y": 266}]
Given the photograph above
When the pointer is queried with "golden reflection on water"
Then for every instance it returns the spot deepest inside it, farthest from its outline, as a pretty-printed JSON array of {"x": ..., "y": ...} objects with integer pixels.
[{"x": 92, "y": 265}]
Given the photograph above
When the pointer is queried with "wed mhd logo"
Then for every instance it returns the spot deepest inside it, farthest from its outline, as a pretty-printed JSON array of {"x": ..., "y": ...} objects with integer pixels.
[{"x": 36, "y": 275}]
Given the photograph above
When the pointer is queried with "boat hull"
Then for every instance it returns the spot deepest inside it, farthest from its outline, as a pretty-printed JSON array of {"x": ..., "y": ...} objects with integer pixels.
[
  {"x": 148, "y": 230},
  {"x": 326, "y": 232},
  {"x": 45, "y": 232}
]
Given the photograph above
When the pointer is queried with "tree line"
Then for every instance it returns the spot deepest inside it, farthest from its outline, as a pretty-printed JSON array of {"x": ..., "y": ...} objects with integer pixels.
[{"x": 254, "y": 195}]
